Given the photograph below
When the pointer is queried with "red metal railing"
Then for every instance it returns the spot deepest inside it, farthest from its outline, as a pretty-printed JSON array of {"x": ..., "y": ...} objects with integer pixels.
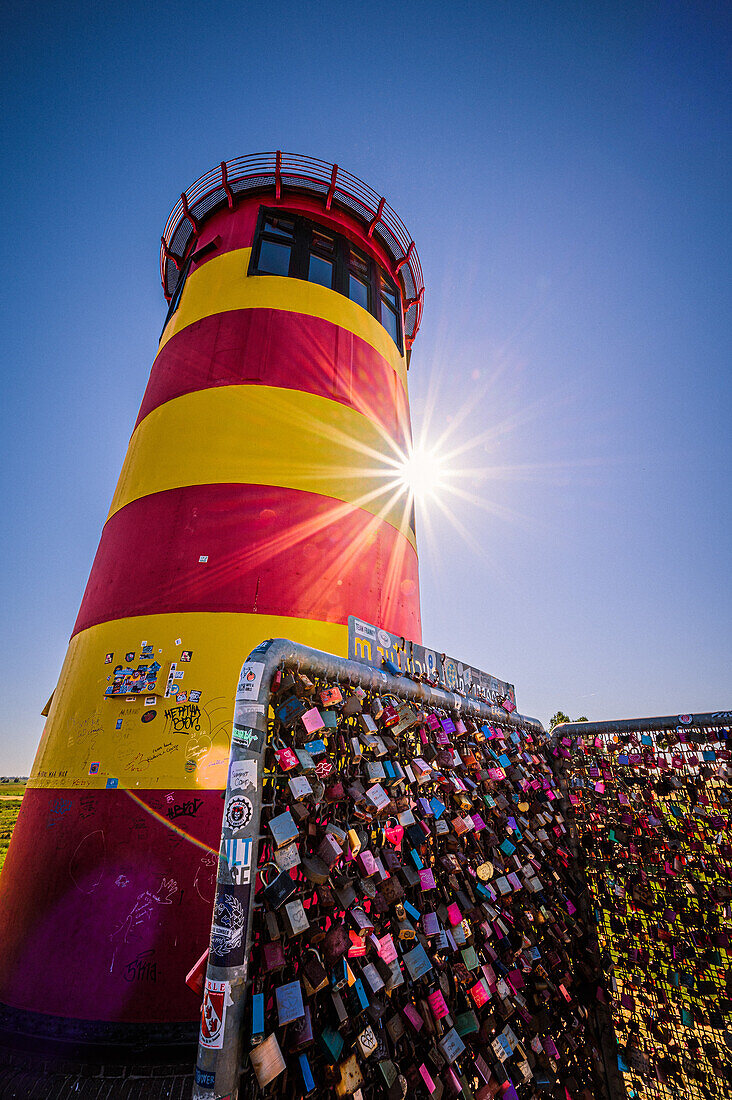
[{"x": 283, "y": 171}]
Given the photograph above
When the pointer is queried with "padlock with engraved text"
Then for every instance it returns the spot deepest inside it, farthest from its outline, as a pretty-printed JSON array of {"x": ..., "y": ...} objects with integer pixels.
[
  {"x": 283, "y": 829},
  {"x": 295, "y": 918},
  {"x": 330, "y": 851},
  {"x": 267, "y": 1061}
]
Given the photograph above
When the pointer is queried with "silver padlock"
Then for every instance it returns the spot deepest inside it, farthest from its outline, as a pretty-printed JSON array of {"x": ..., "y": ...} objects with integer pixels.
[
  {"x": 338, "y": 832},
  {"x": 367, "y": 724},
  {"x": 305, "y": 760},
  {"x": 295, "y": 918},
  {"x": 300, "y": 787},
  {"x": 283, "y": 829},
  {"x": 367, "y": 1041},
  {"x": 375, "y": 771},
  {"x": 287, "y": 857}
]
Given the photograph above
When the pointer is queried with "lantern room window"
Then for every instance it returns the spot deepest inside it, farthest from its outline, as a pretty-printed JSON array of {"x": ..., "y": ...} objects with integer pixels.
[
  {"x": 292, "y": 246},
  {"x": 275, "y": 245}
]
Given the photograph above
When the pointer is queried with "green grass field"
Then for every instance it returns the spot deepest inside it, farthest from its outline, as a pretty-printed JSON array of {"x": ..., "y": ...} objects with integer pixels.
[{"x": 9, "y": 810}]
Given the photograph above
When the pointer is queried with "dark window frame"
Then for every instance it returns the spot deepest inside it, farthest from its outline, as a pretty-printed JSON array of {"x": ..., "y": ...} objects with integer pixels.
[
  {"x": 194, "y": 257},
  {"x": 175, "y": 300},
  {"x": 303, "y": 246}
]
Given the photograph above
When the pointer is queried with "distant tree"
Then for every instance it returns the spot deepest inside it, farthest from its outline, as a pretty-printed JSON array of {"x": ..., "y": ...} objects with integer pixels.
[{"x": 560, "y": 717}]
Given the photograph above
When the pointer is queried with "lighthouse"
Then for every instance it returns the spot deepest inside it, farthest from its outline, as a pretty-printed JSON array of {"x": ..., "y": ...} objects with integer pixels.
[{"x": 259, "y": 497}]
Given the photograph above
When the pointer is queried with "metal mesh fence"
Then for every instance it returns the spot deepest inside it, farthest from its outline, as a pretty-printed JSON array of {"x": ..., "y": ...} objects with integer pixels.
[
  {"x": 417, "y": 916},
  {"x": 651, "y": 819}
]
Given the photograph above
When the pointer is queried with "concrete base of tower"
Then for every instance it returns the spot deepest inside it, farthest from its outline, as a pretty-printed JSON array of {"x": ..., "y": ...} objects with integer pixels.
[{"x": 96, "y": 944}]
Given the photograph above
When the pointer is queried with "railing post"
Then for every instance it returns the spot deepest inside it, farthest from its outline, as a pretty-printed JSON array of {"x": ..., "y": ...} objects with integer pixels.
[
  {"x": 226, "y": 185},
  {"x": 331, "y": 189},
  {"x": 405, "y": 259},
  {"x": 187, "y": 214},
  {"x": 376, "y": 218}
]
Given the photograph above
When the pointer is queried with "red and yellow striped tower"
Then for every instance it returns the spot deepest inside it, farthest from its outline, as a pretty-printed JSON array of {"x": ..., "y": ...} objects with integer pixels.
[{"x": 256, "y": 500}]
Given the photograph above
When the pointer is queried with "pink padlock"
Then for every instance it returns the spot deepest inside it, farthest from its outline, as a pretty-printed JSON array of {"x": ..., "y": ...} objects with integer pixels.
[
  {"x": 427, "y": 878},
  {"x": 427, "y": 1078},
  {"x": 386, "y": 949},
  {"x": 438, "y": 1004},
  {"x": 286, "y": 759},
  {"x": 312, "y": 720},
  {"x": 366, "y": 862},
  {"x": 413, "y": 1016},
  {"x": 453, "y": 914},
  {"x": 394, "y": 832}
]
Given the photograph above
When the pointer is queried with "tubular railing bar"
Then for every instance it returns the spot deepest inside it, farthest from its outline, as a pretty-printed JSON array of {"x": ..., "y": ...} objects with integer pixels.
[
  {"x": 708, "y": 720},
  {"x": 222, "y": 1065},
  {"x": 356, "y": 189},
  {"x": 388, "y": 215},
  {"x": 225, "y": 185}
]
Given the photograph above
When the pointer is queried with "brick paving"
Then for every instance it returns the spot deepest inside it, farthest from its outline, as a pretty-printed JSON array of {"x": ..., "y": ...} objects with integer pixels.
[{"x": 27, "y": 1083}]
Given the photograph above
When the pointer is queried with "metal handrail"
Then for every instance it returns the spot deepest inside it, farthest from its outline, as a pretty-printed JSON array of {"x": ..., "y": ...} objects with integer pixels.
[
  {"x": 259, "y": 171},
  {"x": 709, "y": 720},
  {"x": 222, "y": 1065}
]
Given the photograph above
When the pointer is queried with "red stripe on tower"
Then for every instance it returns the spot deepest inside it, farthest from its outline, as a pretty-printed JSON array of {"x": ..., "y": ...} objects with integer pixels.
[{"x": 276, "y": 551}]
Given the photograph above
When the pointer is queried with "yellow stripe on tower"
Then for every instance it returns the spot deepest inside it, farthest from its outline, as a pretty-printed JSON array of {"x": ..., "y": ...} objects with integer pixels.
[
  {"x": 222, "y": 284},
  {"x": 263, "y": 435},
  {"x": 171, "y": 750}
]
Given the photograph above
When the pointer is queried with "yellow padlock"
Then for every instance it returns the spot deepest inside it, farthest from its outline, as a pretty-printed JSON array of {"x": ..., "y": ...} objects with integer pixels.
[{"x": 351, "y": 1077}]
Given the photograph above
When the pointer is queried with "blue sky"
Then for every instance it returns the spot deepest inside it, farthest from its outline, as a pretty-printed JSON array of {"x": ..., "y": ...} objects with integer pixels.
[{"x": 564, "y": 169}]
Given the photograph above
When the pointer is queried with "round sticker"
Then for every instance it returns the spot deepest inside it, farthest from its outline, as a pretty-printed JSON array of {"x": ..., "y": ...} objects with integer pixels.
[
  {"x": 238, "y": 812},
  {"x": 190, "y": 765},
  {"x": 384, "y": 638},
  {"x": 148, "y": 716}
]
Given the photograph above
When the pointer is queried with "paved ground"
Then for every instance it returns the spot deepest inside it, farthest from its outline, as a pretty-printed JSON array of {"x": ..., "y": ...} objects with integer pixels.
[{"x": 27, "y": 1082}]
